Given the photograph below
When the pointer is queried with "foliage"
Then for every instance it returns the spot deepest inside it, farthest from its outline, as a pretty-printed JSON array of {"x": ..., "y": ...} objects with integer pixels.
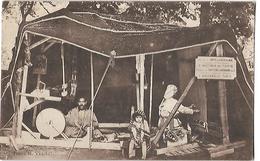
[{"x": 238, "y": 15}]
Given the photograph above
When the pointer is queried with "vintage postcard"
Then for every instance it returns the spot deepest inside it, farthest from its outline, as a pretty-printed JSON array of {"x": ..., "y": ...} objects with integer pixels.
[{"x": 120, "y": 80}]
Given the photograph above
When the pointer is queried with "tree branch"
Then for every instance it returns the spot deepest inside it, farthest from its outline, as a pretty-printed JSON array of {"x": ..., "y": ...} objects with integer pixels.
[
  {"x": 31, "y": 4},
  {"x": 44, "y": 7}
]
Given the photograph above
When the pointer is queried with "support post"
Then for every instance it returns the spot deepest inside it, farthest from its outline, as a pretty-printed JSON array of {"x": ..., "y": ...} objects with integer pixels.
[
  {"x": 92, "y": 98},
  {"x": 151, "y": 93},
  {"x": 20, "y": 100},
  {"x": 35, "y": 99},
  {"x": 142, "y": 59},
  {"x": 222, "y": 92}
]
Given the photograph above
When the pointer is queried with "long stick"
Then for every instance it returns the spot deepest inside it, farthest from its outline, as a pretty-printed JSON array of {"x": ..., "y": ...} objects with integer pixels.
[
  {"x": 92, "y": 97},
  {"x": 241, "y": 90},
  {"x": 174, "y": 110},
  {"x": 151, "y": 93}
]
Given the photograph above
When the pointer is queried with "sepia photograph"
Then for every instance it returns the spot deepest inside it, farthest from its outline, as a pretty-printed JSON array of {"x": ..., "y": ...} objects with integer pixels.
[{"x": 127, "y": 80}]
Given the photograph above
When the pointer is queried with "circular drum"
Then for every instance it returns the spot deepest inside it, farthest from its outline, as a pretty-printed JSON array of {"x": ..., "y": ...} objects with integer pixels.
[{"x": 50, "y": 122}]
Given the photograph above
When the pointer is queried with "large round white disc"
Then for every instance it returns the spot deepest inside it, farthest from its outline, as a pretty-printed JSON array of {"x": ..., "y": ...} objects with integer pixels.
[{"x": 50, "y": 122}]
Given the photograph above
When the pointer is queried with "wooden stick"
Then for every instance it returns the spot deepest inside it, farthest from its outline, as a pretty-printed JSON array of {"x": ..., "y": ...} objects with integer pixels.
[
  {"x": 39, "y": 43},
  {"x": 212, "y": 49},
  {"x": 92, "y": 97},
  {"x": 34, "y": 104},
  {"x": 151, "y": 93},
  {"x": 29, "y": 130},
  {"x": 223, "y": 102},
  {"x": 49, "y": 98},
  {"x": 47, "y": 47},
  {"x": 174, "y": 110},
  {"x": 241, "y": 90}
]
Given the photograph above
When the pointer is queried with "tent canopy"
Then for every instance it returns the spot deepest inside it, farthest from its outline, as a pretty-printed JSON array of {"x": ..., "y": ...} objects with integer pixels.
[{"x": 103, "y": 35}]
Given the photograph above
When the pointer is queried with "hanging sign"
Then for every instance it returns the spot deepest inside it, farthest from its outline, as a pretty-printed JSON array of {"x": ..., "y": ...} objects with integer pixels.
[{"x": 215, "y": 68}]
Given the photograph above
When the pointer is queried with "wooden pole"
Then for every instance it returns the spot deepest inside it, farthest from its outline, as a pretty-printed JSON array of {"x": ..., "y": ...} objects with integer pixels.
[
  {"x": 17, "y": 129},
  {"x": 174, "y": 110},
  {"x": 92, "y": 97},
  {"x": 35, "y": 109},
  {"x": 222, "y": 92},
  {"x": 22, "y": 101},
  {"x": 151, "y": 93},
  {"x": 142, "y": 59},
  {"x": 137, "y": 91}
]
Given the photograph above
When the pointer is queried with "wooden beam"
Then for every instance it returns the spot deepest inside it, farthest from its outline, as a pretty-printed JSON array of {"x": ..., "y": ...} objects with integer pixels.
[
  {"x": 173, "y": 112},
  {"x": 48, "y": 46},
  {"x": 237, "y": 144},
  {"x": 30, "y": 131},
  {"x": 22, "y": 101},
  {"x": 68, "y": 143},
  {"x": 222, "y": 153},
  {"x": 39, "y": 43},
  {"x": 175, "y": 148},
  {"x": 34, "y": 104},
  {"x": 113, "y": 125},
  {"x": 212, "y": 49},
  {"x": 241, "y": 90},
  {"x": 49, "y": 98},
  {"x": 4, "y": 140},
  {"x": 222, "y": 92}
]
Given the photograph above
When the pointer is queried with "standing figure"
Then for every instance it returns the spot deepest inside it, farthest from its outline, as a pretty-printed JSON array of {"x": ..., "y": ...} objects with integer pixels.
[
  {"x": 79, "y": 119},
  {"x": 139, "y": 129}
]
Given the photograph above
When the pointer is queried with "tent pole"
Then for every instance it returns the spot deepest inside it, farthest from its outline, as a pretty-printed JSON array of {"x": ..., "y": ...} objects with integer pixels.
[
  {"x": 222, "y": 92},
  {"x": 151, "y": 93},
  {"x": 142, "y": 59},
  {"x": 19, "y": 111},
  {"x": 92, "y": 97},
  {"x": 137, "y": 91},
  {"x": 23, "y": 99},
  {"x": 35, "y": 109}
]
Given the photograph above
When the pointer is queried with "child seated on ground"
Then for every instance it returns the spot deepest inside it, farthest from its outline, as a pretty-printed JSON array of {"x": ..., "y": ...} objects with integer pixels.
[{"x": 139, "y": 128}]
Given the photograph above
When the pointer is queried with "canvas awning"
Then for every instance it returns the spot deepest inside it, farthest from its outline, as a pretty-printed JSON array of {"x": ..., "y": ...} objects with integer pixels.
[{"x": 102, "y": 35}]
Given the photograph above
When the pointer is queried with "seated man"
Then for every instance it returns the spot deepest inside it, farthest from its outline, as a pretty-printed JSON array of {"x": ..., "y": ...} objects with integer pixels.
[{"x": 80, "y": 118}]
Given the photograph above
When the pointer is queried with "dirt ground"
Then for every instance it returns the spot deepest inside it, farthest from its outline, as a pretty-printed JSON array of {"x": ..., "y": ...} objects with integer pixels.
[{"x": 53, "y": 153}]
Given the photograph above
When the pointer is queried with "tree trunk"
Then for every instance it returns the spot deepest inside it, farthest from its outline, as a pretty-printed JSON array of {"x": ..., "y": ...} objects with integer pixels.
[{"x": 205, "y": 14}]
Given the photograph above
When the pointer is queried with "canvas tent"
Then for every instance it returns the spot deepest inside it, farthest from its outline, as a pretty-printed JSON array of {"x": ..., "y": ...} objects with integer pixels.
[{"x": 116, "y": 40}]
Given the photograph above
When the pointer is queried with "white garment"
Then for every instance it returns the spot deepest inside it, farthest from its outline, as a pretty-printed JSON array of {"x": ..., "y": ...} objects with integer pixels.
[{"x": 167, "y": 106}]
